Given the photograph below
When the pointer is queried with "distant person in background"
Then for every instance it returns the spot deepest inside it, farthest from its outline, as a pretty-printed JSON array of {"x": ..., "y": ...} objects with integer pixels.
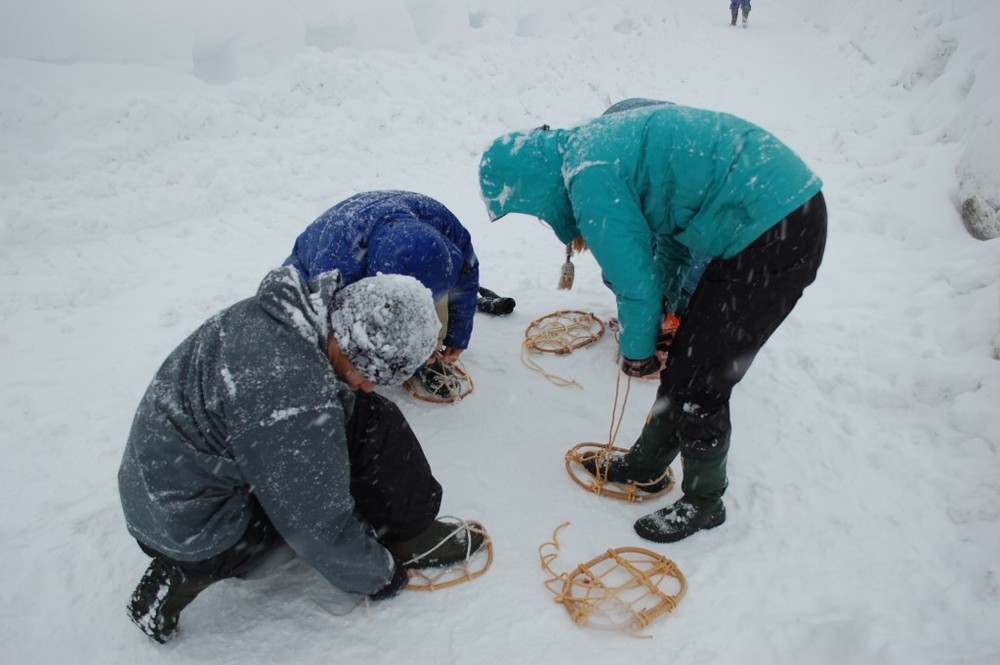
[
  {"x": 699, "y": 183},
  {"x": 401, "y": 233},
  {"x": 260, "y": 438},
  {"x": 734, "y": 7}
]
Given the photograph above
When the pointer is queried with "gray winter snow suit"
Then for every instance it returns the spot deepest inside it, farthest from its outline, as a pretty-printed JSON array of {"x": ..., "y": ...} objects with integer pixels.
[{"x": 249, "y": 403}]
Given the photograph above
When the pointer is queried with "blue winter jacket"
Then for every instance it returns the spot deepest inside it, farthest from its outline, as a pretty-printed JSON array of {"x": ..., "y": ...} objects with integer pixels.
[
  {"x": 397, "y": 232},
  {"x": 647, "y": 189}
]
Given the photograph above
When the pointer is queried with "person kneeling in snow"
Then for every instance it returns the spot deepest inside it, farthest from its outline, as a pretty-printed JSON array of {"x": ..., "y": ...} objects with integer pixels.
[{"x": 260, "y": 433}]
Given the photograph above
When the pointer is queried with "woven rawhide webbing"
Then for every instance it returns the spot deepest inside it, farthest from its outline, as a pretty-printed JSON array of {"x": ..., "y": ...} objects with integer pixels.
[
  {"x": 563, "y": 331},
  {"x": 457, "y": 381},
  {"x": 560, "y": 333},
  {"x": 632, "y": 492},
  {"x": 623, "y": 589}
]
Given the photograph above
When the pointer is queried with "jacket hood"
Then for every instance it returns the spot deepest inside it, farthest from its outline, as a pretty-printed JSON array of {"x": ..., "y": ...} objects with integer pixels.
[
  {"x": 522, "y": 172},
  {"x": 417, "y": 250},
  {"x": 286, "y": 296}
]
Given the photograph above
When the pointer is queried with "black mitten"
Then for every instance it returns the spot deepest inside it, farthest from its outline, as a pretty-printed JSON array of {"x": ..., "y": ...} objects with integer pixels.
[
  {"x": 640, "y": 368},
  {"x": 400, "y": 578}
]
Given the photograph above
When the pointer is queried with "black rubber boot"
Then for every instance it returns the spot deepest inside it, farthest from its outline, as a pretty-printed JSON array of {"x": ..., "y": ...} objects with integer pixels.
[
  {"x": 489, "y": 302},
  {"x": 736, "y": 13},
  {"x": 746, "y": 13},
  {"x": 647, "y": 461},
  {"x": 700, "y": 508},
  {"x": 443, "y": 543},
  {"x": 163, "y": 591}
]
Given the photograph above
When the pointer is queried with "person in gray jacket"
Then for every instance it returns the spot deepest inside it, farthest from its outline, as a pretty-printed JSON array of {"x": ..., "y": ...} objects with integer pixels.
[{"x": 262, "y": 430}]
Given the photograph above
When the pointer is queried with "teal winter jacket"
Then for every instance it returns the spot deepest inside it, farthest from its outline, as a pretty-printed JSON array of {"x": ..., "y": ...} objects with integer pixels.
[{"x": 685, "y": 181}]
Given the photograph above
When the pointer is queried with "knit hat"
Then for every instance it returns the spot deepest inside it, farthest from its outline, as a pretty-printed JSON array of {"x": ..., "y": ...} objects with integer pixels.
[
  {"x": 418, "y": 250},
  {"x": 386, "y": 326}
]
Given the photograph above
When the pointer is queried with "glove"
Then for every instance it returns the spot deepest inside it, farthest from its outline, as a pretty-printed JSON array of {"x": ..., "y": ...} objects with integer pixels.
[
  {"x": 640, "y": 368},
  {"x": 400, "y": 578},
  {"x": 667, "y": 332}
]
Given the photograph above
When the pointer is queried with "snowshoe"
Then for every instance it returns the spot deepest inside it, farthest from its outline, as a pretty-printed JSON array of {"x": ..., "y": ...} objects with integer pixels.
[
  {"x": 616, "y": 469},
  {"x": 438, "y": 379},
  {"x": 443, "y": 543}
]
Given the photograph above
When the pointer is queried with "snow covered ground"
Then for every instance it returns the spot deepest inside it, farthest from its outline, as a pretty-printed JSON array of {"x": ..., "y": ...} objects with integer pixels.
[{"x": 154, "y": 163}]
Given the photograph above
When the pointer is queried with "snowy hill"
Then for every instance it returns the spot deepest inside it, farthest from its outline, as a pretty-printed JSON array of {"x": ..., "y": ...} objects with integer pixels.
[{"x": 156, "y": 162}]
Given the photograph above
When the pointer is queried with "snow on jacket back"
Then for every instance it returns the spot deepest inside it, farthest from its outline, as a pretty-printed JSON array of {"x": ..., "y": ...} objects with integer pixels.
[
  {"x": 387, "y": 231},
  {"x": 699, "y": 182},
  {"x": 250, "y": 403}
]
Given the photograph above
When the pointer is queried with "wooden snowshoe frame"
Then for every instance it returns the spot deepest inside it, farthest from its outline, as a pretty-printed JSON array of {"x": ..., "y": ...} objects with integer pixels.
[
  {"x": 458, "y": 381},
  {"x": 460, "y": 573},
  {"x": 563, "y": 331},
  {"x": 632, "y": 492},
  {"x": 617, "y": 590}
]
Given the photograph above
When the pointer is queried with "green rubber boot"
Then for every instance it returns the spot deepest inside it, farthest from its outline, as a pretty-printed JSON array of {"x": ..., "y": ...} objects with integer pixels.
[
  {"x": 648, "y": 459},
  {"x": 698, "y": 509}
]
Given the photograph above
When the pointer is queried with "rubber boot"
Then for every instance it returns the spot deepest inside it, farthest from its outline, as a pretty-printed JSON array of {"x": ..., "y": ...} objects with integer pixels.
[
  {"x": 746, "y": 13},
  {"x": 736, "y": 13},
  {"x": 490, "y": 302},
  {"x": 164, "y": 590},
  {"x": 648, "y": 459},
  {"x": 699, "y": 508},
  {"x": 443, "y": 543}
]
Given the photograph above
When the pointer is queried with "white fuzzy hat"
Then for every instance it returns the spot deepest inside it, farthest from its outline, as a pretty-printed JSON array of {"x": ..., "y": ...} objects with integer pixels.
[{"x": 386, "y": 325}]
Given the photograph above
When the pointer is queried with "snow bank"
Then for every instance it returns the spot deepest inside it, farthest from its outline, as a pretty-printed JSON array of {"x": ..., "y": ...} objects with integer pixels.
[{"x": 946, "y": 56}]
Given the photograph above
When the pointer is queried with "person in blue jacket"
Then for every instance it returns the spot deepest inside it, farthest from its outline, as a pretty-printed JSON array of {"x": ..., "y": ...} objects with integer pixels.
[
  {"x": 647, "y": 190},
  {"x": 402, "y": 233}
]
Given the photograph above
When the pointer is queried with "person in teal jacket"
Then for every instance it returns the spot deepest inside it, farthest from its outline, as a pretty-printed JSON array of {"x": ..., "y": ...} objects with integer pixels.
[{"x": 647, "y": 189}]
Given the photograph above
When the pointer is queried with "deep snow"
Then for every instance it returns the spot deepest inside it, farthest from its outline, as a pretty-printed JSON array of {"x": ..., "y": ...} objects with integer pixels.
[{"x": 156, "y": 162}]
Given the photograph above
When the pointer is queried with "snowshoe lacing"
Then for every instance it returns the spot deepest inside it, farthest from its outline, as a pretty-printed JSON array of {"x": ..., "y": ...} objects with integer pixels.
[
  {"x": 452, "y": 382},
  {"x": 560, "y": 333},
  {"x": 618, "y": 590},
  {"x": 459, "y": 573},
  {"x": 632, "y": 491}
]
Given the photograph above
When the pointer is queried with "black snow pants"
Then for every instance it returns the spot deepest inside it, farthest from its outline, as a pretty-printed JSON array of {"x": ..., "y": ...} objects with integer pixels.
[
  {"x": 391, "y": 481},
  {"x": 737, "y": 305}
]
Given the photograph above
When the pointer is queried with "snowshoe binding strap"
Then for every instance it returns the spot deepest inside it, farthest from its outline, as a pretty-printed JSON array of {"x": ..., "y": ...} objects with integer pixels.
[
  {"x": 440, "y": 382},
  {"x": 632, "y": 491},
  {"x": 475, "y": 564}
]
